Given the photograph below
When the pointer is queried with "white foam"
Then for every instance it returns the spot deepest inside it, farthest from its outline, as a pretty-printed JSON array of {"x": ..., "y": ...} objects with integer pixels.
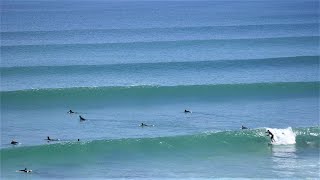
[{"x": 283, "y": 136}]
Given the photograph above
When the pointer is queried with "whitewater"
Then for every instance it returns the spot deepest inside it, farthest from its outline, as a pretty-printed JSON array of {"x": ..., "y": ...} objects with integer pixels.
[{"x": 122, "y": 63}]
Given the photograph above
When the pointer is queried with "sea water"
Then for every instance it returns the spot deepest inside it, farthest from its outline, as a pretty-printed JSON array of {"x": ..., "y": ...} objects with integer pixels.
[{"x": 122, "y": 63}]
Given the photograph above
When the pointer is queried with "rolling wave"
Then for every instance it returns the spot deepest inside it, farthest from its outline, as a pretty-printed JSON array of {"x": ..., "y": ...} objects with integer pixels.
[
  {"x": 157, "y": 51},
  {"x": 216, "y": 64},
  {"x": 165, "y": 44},
  {"x": 156, "y": 94},
  {"x": 218, "y": 143},
  {"x": 161, "y": 29}
]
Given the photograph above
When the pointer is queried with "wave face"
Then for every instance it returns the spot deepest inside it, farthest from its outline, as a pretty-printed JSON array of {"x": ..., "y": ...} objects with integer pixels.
[
  {"x": 153, "y": 94},
  {"x": 217, "y": 143}
]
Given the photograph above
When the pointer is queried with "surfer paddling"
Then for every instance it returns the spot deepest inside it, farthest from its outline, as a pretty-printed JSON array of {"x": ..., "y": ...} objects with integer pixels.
[
  {"x": 71, "y": 112},
  {"x": 81, "y": 118},
  {"x": 14, "y": 142},
  {"x": 243, "y": 127},
  {"x": 271, "y": 136},
  {"x": 187, "y": 111},
  {"x": 142, "y": 125},
  {"x": 49, "y": 139},
  {"x": 25, "y": 170}
]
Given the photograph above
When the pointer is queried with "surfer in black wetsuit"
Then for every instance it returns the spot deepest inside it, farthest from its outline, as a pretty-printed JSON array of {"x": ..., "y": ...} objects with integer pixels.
[
  {"x": 70, "y": 112},
  {"x": 81, "y": 118},
  {"x": 271, "y": 135},
  {"x": 14, "y": 142},
  {"x": 142, "y": 125},
  {"x": 49, "y": 139},
  {"x": 243, "y": 127},
  {"x": 187, "y": 111},
  {"x": 25, "y": 170}
]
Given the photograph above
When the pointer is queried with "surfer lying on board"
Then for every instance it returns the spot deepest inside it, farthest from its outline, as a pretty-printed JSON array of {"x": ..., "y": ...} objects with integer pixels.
[
  {"x": 243, "y": 127},
  {"x": 70, "y": 111},
  {"x": 142, "y": 125},
  {"x": 271, "y": 135},
  {"x": 49, "y": 139},
  {"x": 187, "y": 111},
  {"x": 81, "y": 118},
  {"x": 14, "y": 142},
  {"x": 25, "y": 170}
]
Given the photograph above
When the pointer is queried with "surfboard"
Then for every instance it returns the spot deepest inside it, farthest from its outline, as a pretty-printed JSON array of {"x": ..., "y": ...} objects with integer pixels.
[
  {"x": 52, "y": 139},
  {"x": 28, "y": 171}
]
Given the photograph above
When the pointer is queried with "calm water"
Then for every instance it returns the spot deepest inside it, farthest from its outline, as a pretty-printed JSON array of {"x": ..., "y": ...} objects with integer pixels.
[{"x": 118, "y": 64}]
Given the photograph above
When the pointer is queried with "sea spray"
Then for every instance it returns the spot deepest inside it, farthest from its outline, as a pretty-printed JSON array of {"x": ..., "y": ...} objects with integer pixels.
[{"x": 283, "y": 136}]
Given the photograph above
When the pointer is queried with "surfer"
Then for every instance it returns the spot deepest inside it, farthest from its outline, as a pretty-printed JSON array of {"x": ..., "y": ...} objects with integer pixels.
[
  {"x": 49, "y": 139},
  {"x": 81, "y": 118},
  {"x": 243, "y": 127},
  {"x": 14, "y": 142},
  {"x": 271, "y": 135},
  {"x": 25, "y": 170},
  {"x": 142, "y": 125},
  {"x": 78, "y": 139},
  {"x": 70, "y": 111},
  {"x": 187, "y": 111}
]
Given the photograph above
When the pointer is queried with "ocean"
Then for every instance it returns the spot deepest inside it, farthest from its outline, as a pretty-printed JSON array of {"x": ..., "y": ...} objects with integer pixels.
[{"x": 118, "y": 64}]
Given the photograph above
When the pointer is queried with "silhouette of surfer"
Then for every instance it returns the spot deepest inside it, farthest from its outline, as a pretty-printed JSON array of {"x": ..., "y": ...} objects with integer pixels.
[
  {"x": 271, "y": 136},
  {"x": 243, "y": 127},
  {"x": 49, "y": 139},
  {"x": 142, "y": 125},
  {"x": 187, "y": 111},
  {"x": 25, "y": 170},
  {"x": 70, "y": 111},
  {"x": 81, "y": 118},
  {"x": 14, "y": 142}
]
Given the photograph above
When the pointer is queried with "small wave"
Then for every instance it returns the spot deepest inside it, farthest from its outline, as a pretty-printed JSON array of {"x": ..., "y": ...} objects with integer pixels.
[
  {"x": 219, "y": 142},
  {"x": 160, "y": 44},
  {"x": 6, "y": 71},
  {"x": 173, "y": 28},
  {"x": 156, "y": 94}
]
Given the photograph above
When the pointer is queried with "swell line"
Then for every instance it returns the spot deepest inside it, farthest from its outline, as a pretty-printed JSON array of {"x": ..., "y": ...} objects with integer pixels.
[
  {"x": 173, "y": 28},
  {"x": 216, "y": 64},
  {"x": 219, "y": 142},
  {"x": 156, "y": 94},
  {"x": 173, "y": 43}
]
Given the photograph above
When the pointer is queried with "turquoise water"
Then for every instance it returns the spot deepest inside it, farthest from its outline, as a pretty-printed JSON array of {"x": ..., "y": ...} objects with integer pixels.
[{"x": 118, "y": 64}]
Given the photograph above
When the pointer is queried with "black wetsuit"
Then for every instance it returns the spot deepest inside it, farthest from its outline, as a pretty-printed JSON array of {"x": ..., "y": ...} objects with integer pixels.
[
  {"x": 14, "y": 142},
  {"x": 142, "y": 124},
  {"x": 271, "y": 135},
  {"x": 24, "y": 170}
]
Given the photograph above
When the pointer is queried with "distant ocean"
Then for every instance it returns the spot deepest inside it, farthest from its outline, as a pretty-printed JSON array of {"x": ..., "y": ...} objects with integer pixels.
[{"x": 122, "y": 63}]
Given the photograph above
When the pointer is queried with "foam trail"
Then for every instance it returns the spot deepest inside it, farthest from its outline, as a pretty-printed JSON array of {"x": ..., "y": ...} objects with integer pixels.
[{"x": 283, "y": 136}]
